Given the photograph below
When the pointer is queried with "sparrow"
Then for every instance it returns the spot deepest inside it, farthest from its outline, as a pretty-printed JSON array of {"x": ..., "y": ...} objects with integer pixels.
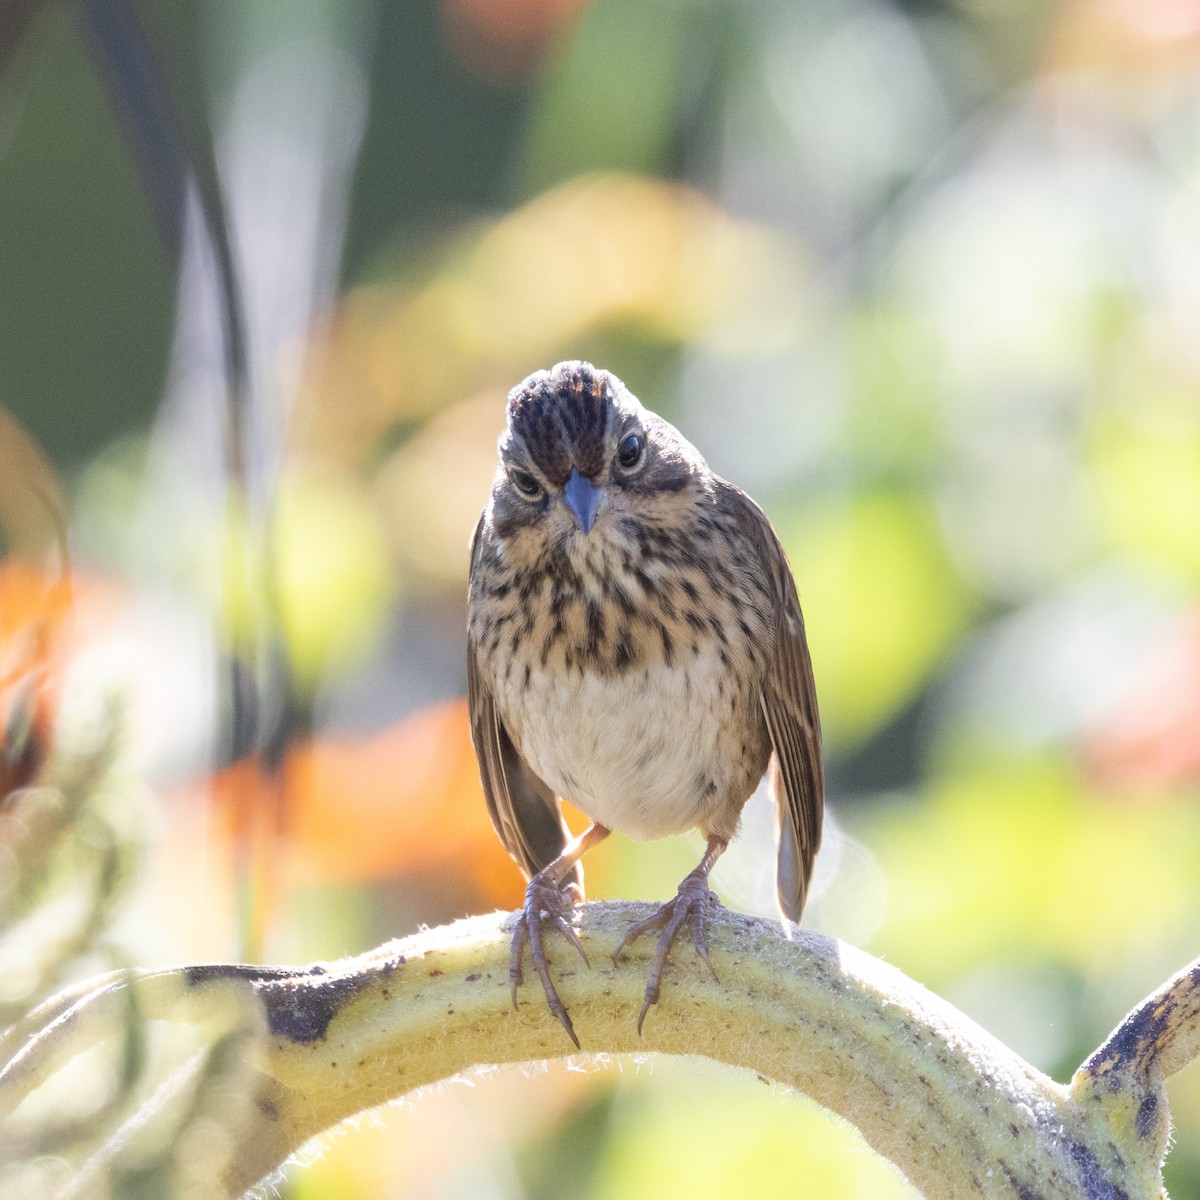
[{"x": 635, "y": 646}]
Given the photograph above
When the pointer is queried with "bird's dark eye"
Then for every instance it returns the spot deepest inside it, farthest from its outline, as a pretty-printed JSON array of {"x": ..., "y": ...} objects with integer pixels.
[
  {"x": 630, "y": 451},
  {"x": 525, "y": 484}
]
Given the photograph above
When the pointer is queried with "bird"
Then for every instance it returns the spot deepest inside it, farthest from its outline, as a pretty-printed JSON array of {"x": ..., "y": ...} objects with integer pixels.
[{"x": 635, "y": 645}]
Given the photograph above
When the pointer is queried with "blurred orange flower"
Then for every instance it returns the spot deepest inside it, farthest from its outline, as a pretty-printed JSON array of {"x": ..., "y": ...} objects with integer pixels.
[
  {"x": 35, "y": 602},
  {"x": 34, "y": 611},
  {"x": 46, "y": 617},
  {"x": 361, "y": 809}
]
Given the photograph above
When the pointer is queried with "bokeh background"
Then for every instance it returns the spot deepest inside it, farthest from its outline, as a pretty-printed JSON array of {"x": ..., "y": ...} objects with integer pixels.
[{"x": 923, "y": 277}]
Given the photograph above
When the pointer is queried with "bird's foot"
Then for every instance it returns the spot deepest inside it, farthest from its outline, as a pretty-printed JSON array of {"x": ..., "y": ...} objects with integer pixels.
[
  {"x": 545, "y": 901},
  {"x": 689, "y": 905}
]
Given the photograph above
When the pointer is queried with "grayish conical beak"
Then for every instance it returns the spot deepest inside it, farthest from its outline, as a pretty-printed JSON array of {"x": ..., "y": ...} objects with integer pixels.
[{"x": 582, "y": 497}]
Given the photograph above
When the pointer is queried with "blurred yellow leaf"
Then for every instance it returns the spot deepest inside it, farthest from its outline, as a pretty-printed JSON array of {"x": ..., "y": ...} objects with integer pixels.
[
  {"x": 1147, "y": 484},
  {"x": 453, "y": 1140},
  {"x": 332, "y": 581},
  {"x": 692, "y": 1131},
  {"x": 882, "y": 603},
  {"x": 434, "y": 487},
  {"x": 518, "y": 293},
  {"x": 327, "y": 573},
  {"x": 1015, "y": 858}
]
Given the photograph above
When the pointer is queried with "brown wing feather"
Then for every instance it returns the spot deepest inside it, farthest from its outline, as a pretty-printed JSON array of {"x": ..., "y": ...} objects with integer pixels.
[
  {"x": 789, "y": 706},
  {"x": 524, "y": 811}
]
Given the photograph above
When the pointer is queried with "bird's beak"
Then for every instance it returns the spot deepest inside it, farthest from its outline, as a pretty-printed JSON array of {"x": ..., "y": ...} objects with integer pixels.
[{"x": 583, "y": 498}]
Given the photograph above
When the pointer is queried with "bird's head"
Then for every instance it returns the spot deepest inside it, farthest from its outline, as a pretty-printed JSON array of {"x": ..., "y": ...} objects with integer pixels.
[{"x": 579, "y": 449}]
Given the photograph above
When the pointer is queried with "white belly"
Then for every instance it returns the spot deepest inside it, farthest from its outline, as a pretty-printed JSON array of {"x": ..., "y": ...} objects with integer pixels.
[{"x": 639, "y": 752}]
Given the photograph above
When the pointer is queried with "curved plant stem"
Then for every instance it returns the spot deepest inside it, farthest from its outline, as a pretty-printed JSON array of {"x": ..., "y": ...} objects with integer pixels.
[{"x": 958, "y": 1112}]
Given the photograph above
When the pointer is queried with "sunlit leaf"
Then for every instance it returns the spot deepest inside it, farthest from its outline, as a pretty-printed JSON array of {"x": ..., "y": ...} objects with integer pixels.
[
  {"x": 434, "y": 487},
  {"x": 332, "y": 580},
  {"x": 418, "y": 1149},
  {"x": 1147, "y": 484},
  {"x": 732, "y": 1136},
  {"x": 1015, "y": 858},
  {"x": 325, "y": 576},
  {"x": 520, "y": 292},
  {"x": 882, "y": 603}
]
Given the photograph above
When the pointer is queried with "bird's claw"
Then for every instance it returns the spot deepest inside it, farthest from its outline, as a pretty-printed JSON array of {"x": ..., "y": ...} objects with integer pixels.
[
  {"x": 544, "y": 900},
  {"x": 689, "y": 904}
]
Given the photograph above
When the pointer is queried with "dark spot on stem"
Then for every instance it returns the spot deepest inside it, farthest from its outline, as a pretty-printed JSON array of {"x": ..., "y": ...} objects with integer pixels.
[
  {"x": 301, "y": 1011},
  {"x": 1147, "y": 1116},
  {"x": 1096, "y": 1184},
  {"x": 298, "y": 1004}
]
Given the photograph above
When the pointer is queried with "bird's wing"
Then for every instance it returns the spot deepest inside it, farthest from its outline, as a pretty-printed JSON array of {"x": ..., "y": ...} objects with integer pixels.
[
  {"x": 789, "y": 706},
  {"x": 525, "y": 812}
]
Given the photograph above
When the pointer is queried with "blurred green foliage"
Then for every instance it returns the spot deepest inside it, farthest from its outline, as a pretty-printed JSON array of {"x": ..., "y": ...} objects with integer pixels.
[
  {"x": 921, "y": 277},
  {"x": 86, "y": 306}
]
